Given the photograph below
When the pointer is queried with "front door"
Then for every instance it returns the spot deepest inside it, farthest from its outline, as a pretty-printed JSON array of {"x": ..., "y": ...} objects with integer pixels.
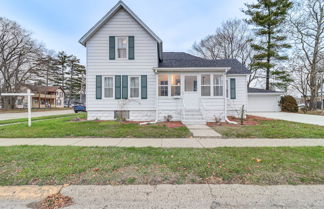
[{"x": 190, "y": 95}]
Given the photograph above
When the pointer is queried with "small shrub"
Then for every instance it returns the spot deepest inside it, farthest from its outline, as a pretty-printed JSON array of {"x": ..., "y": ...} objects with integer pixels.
[
  {"x": 168, "y": 118},
  {"x": 217, "y": 119},
  {"x": 288, "y": 104}
]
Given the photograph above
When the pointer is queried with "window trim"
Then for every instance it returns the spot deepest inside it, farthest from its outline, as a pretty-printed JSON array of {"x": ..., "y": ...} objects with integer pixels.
[
  {"x": 116, "y": 48},
  {"x": 139, "y": 86},
  {"x": 170, "y": 82},
  {"x": 103, "y": 81},
  {"x": 214, "y": 85},
  {"x": 159, "y": 85}
]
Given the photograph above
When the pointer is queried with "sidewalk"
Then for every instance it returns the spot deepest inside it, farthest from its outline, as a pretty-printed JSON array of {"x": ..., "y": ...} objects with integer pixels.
[
  {"x": 195, "y": 196},
  {"x": 164, "y": 142}
]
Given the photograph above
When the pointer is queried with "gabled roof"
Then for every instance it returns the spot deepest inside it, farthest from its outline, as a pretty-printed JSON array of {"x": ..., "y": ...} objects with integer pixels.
[
  {"x": 185, "y": 60},
  {"x": 109, "y": 15}
]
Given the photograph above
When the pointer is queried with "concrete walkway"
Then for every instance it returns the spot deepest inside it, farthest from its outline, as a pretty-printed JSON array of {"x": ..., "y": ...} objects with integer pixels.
[
  {"x": 201, "y": 196},
  {"x": 293, "y": 117},
  {"x": 9, "y": 116},
  {"x": 203, "y": 131},
  {"x": 165, "y": 142}
]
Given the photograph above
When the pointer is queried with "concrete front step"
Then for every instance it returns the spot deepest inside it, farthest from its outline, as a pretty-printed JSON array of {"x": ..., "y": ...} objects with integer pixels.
[{"x": 194, "y": 122}]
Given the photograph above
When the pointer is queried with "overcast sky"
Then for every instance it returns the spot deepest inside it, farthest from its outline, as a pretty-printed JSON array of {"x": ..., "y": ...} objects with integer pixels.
[{"x": 59, "y": 24}]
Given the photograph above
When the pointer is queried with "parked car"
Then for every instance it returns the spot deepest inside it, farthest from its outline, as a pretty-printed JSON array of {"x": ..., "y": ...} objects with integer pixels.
[{"x": 79, "y": 108}]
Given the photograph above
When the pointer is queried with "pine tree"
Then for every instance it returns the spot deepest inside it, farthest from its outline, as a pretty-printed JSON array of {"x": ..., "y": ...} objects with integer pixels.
[
  {"x": 62, "y": 61},
  {"x": 268, "y": 17}
]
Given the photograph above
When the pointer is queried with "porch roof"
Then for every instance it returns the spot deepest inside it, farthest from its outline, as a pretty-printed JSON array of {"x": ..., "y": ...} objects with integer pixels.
[
  {"x": 182, "y": 60},
  {"x": 192, "y": 69}
]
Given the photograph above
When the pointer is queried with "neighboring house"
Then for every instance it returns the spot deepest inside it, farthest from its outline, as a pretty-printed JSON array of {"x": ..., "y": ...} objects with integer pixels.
[
  {"x": 128, "y": 73},
  {"x": 45, "y": 97}
]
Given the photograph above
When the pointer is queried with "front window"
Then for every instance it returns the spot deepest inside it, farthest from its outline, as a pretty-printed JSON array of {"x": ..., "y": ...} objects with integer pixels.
[
  {"x": 175, "y": 85},
  {"x": 163, "y": 85},
  {"x": 134, "y": 87},
  {"x": 190, "y": 83},
  {"x": 218, "y": 85},
  {"x": 122, "y": 44},
  {"x": 205, "y": 85},
  {"x": 109, "y": 87}
]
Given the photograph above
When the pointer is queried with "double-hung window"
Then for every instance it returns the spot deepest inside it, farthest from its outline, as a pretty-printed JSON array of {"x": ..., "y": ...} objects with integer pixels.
[
  {"x": 108, "y": 87},
  {"x": 175, "y": 85},
  {"x": 218, "y": 85},
  {"x": 163, "y": 85},
  {"x": 205, "y": 85},
  {"x": 134, "y": 87},
  {"x": 122, "y": 44}
]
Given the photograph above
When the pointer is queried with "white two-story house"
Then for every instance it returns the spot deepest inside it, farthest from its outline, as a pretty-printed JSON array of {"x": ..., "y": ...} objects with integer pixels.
[{"x": 128, "y": 73}]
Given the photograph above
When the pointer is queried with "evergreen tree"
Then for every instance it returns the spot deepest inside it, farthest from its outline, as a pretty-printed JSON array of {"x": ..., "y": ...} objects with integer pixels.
[
  {"x": 62, "y": 62},
  {"x": 268, "y": 16},
  {"x": 74, "y": 73}
]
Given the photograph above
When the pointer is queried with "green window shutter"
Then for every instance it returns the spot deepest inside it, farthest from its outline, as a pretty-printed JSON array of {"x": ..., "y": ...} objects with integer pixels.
[
  {"x": 117, "y": 87},
  {"x": 112, "y": 47},
  {"x": 98, "y": 86},
  {"x": 233, "y": 88},
  {"x": 144, "y": 86},
  {"x": 131, "y": 47},
  {"x": 125, "y": 87}
]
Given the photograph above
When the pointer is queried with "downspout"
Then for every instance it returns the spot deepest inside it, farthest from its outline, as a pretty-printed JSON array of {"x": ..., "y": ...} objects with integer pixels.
[{"x": 225, "y": 101}]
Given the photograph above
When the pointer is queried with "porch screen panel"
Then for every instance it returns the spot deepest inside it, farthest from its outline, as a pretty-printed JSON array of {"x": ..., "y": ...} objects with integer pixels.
[
  {"x": 163, "y": 85},
  {"x": 218, "y": 85},
  {"x": 175, "y": 85},
  {"x": 205, "y": 85}
]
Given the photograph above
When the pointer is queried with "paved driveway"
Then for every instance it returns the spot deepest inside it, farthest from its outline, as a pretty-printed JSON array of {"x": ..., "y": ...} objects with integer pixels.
[
  {"x": 9, "y": 116},
  {"x": 294, "y": 117}
]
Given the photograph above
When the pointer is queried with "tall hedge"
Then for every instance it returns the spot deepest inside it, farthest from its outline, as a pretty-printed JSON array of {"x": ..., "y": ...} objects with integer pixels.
[{"x": 288, "y": 104}]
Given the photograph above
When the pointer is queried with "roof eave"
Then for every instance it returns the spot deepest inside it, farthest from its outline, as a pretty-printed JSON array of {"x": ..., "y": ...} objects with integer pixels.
[
  {"x": 191, "y": 69},
  {"x": 266, "y": 93}
]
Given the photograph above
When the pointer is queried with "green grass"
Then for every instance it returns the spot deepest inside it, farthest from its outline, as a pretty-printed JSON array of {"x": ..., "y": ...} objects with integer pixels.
[
  {"x": 24, "y": 165},
  {"x": 272, "y": 129},
  {"x": 64, "y": 127},
  {"x": 25, "y": 120}
]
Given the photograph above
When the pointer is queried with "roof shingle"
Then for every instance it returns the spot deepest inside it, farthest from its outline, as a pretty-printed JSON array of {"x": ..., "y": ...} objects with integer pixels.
[{"x": 183, "y": 60}]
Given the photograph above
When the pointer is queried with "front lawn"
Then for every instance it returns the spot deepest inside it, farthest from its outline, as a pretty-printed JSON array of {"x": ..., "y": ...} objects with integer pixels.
[
  {"x": 66, "y": 127},
  {"x": 272, "y": 129},
  {"x": 25, "y": 120},
  {"x": 40, "y": 165}
]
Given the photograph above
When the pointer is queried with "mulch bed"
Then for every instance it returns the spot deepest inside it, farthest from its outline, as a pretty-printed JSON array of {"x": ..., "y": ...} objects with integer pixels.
[{"x": 250, "y": 120}]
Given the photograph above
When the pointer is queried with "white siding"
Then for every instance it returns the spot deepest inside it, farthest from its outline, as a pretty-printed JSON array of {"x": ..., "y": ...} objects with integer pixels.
[
  {"x": 234, "y": 105},
  {"x": 98, "y": 63},
  {"x": 263, "y": 103}
]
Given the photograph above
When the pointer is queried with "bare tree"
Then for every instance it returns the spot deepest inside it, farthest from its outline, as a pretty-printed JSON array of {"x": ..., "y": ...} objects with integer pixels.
[
  {"x": 307, "y": 22},
  {"x": 18, "y": 58},
  {"x": 231, "y": 41}
]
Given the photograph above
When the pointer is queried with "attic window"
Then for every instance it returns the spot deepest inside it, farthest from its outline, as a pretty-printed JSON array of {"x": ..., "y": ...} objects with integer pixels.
[{"x": 122, "y": 44}]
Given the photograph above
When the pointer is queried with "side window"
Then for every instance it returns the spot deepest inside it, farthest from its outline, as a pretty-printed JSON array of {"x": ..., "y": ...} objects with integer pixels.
[
  {"x": 122, "y": 45},
  {"x": 175, "y": 85},
  {"x": 163, "y": 85},
  {"x": 233, "y": 88},
  {"x": 205, "y": 85}
]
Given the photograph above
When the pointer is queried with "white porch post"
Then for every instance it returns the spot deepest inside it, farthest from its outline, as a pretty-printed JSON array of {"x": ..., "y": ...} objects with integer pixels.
[{"x": 29, "y": 107}]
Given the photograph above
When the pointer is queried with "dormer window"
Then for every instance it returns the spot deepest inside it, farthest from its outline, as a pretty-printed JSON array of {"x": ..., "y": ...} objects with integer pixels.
[{"x": 122, "y": 45}]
